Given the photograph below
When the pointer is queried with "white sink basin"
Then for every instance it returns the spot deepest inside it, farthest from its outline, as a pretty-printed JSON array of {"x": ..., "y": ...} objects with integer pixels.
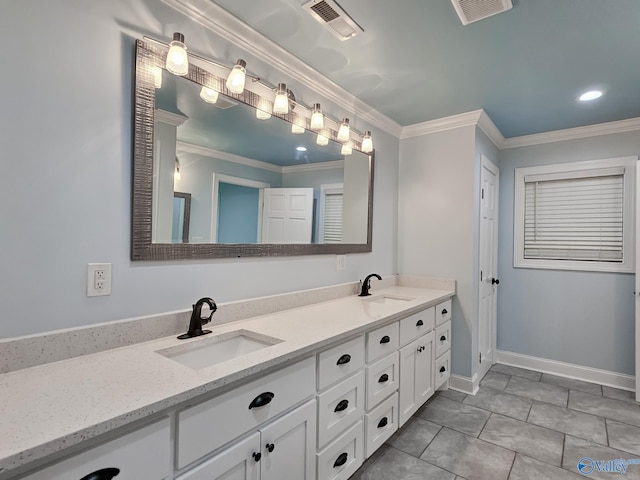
[
  {"x": 211, "y": 350},
  {"x": 389, "y": 299}
]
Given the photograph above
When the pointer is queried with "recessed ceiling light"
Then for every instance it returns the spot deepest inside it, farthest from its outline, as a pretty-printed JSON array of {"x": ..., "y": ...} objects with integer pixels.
[
  {"x": 301, "y": 149},
  {"x": 590, "y": 95}
]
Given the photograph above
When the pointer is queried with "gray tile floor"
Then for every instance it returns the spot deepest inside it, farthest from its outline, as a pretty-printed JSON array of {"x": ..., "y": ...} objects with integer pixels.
[{"x": 521, "y": 425}]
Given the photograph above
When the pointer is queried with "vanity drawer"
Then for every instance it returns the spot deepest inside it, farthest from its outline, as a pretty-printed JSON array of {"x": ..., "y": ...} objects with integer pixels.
[
  {"x": 207, "y": 426},
  {"x": 443, "y": 368},
  {"x": 340, "y": 407},
  {"x": 340, "y": 362},
  {"x": 417, "y": 325},
  {"x": 380, "y": 424},
  {"x": 383, "y": 341},
  {"x": 344, "y": 456},
  {"x": 382, "y": 379},
  {"x": 443, "y": 338},
  {"x": 443, "y": 312}
]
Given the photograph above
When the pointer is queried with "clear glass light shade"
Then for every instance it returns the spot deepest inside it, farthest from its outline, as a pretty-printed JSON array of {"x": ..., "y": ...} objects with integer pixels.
[
  {"x": 344, "y": 132},
  {"x": 157, "y": 76},
  {"x": 367, "y": 142},
  {"x": 317, "y": 118},
  {"x": 281, "y": 102},
  {"x": 263, "y": 110},
  {"x": 322, "y": 140},
  {"x": 346, "y": 149},
  {"x": 237, "y": 77},
  {"x": 298, "y": 125},
  {"x": 297, "y": 129},
  {"x": 177, "y": 60},
  {"x": 209, "y": 95}
]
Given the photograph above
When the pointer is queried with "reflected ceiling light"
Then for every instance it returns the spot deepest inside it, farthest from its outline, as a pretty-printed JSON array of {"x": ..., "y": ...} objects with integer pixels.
[
  {"x": 263, "y": 110},
  {"x": 317, "y": 118},
  {"x": 301, "y": 149},
  {"x": 298, "y": 125},
  {"x": 367, "y": 142},
  {"x": 237, "y": 77},
  {"x": 209, "y": 95},
  {"x": 322, "y": 140},
  {"x": 590, "y": 95},
  {"x": 176, "y": 172},
  {"x": 157, "y": 76},
  {"x": 177, "y": 60},
  {"x": 344, "y": 132},
  {"x": 281, "y": 103},
  {"x": 346, "y": 149}
]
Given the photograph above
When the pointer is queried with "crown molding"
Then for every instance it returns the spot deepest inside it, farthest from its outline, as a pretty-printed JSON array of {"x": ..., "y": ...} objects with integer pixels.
[
  {"x": 313, "y": 167},
  {"x": 620, "y": 126},
  {"x": 491, "y": 131},
  {"x": 441, "y": 124},
  {"x": 232, "y": 29},
  {"x": 170, "y": 118}
]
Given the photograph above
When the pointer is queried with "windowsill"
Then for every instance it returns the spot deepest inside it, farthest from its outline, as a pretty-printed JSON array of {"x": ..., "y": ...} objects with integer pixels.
[{"x": 574, "y": 266}]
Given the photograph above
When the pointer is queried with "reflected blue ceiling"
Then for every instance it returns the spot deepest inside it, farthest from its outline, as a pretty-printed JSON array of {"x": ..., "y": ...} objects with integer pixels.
[{"x": 525, "y": 67}]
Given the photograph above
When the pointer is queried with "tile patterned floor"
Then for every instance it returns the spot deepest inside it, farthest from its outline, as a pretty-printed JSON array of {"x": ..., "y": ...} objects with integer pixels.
[{"x": 521, "y": 425}]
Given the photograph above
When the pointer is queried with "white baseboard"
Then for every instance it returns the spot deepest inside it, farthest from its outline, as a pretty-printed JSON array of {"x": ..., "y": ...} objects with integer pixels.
[
  {"x": 569, "y": 370},
  {"x": 464, "y": 384}
]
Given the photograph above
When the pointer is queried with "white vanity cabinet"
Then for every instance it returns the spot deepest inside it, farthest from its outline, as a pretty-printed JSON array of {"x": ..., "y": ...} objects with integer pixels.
[
  {"x": 142, "y": 454},
  {"x": 416, "y": 375}
]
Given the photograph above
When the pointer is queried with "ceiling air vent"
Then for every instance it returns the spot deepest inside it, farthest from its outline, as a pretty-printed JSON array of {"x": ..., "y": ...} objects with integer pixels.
[
  {"x": 471, "y": 11},
  {"x": 330, "y": 14}
]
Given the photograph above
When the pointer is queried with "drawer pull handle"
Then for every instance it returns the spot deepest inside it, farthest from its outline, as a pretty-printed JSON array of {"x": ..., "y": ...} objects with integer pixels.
[
  {"x": 442, "y": 369},
  {"x": 256, "y": 456},
  {"x": 443, "y": 338},
  {"x": 270, "y": 447},
  {"x": 342, "y": 405},
  {"x": 341, "y": 460},
  {"x": 383, "y": 422},
  {"x": 383, "y": 378},
  {"x": 346, "y": 358},
  {"x": 261, "y": 400},
  {"x": 444, "y": 311},
  {"x": 385, "y": 339},
  {"x": 103, "y": 474},
  {"x": 419, "y": 323}
]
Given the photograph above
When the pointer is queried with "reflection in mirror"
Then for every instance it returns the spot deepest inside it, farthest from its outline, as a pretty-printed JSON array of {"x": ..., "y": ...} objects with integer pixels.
[{"x": 254, "y": 187}]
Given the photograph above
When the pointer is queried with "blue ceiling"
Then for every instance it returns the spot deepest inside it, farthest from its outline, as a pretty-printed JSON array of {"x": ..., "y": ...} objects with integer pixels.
[{"x": 415, "y": 61}]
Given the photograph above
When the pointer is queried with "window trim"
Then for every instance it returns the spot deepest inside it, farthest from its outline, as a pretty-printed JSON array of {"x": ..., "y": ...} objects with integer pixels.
[{"x": 578, "y": 168}]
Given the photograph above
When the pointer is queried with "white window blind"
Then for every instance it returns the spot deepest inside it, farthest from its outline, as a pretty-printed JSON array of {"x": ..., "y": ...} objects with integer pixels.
[
  {"x": 333, "y": 218},
  {"x": 577, "y": 218}
]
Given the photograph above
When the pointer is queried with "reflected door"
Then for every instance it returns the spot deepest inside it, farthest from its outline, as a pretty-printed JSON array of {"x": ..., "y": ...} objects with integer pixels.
[{"x": 287, "y": 215}]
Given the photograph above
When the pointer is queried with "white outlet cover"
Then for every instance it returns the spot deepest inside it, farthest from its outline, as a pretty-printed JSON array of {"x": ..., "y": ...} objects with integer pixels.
[
  {"x": 98, "y": 279},
  {"x": 341, "y": 262}
]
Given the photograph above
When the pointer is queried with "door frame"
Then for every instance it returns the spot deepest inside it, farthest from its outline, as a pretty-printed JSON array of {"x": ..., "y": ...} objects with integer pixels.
[{"x": 637, "y": 281}]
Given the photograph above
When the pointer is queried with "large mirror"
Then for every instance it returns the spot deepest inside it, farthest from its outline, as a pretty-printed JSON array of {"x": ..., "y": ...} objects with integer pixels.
[{"x": 212, "y": 180}]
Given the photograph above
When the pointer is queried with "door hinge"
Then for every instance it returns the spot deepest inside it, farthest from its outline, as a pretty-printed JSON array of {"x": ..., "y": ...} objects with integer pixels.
[
  {"x": 481, "y": 358},
  {"x": 483, "y": 193},
  {"x": 480, "y": 275}
]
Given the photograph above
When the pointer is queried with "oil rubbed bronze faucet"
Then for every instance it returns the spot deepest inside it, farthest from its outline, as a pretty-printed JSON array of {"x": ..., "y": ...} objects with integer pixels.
[
  {"x": 366, "y": 284},
  {"x": 196, "y": 322}
]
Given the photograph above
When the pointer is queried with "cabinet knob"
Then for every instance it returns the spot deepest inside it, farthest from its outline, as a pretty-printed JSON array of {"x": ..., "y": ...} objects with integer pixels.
[
  {"x": 270, "y": 447},
  {"x": 383, "y": 378},
  {"x": 383, "y": 422},
  {"x": 256, "y": 456},
  {"x": 443, "y": 338},
  {"x": 342, "y": 405},
  {"x": 442, "y": 369},
  {"x": 419, "y": 323},
  {"x": 385, "y": 339},
  {"x": 102, "y": 474},
  {"x": 341, "y": 460},
  {"x": 261, "y": 400},
  {"x": 346, "y": 358},
  {"x": 420, "y": 349},
  {"x": 444, "y": 311},
  {"x": 495, "y": 281}
]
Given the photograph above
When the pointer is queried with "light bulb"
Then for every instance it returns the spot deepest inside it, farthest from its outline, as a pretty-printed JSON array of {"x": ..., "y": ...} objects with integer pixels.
[
  {"x": 281, "y": 103},
  {"x": 157, "y": 76},
  {"x": 237, "y": 77},
  {"x": 177, "y": 60},
  {"x": 176, "y": 173},
  {"x": 209, "y": 95},
  {"x": 346, "y": 149},
  {"x": 317, "y": 119},
  {"x": 367, "y": 142},
  {"x": 298, "y": 125},
  {"x": 344, "y": 132},
  {"x": 322, "y": 140},
  {"x": 263, "y": 110}
]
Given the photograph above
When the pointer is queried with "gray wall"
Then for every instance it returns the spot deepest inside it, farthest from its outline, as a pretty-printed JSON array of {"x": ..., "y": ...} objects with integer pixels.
[
  {"x": 66, "y": 136},
  {"x": 584, "y": 318}
]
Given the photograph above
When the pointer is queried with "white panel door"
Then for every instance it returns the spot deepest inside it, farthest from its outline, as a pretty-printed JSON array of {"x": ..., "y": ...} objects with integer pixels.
[
  {"x": 488, "y": 265},
  {"x": 637, "y": 292},
  {"x": 287, "y": 215}
]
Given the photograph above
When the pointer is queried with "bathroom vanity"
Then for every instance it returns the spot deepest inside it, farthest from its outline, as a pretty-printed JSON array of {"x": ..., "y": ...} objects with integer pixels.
[{"x": 304, "y": 393}]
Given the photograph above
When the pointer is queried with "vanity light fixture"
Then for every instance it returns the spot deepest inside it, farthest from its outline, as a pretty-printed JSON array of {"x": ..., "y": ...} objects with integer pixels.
[
  {"x": 157, "y": 76},
  {"x": 209, "y": 95},
  {"x": 367, "y": 142},
  {"x": 263, "y": 110},
  {"x": 590, "y": 95},
  {"x": 322, "y": 140},
  {"x": 281, "y": 102},
  {"x": 344, "y": 132},
  {"x": 317, "y": 118},
  {"x": 237, "y": 77},
  {"x": 177, "y": 59},
  {"x": 176, "y": 173},
  {"x": 346, "y": 149},
  {"x": 297, "y": 127}
]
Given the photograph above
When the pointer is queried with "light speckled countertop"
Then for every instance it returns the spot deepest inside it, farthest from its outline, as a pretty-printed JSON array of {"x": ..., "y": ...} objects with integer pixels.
[{"x": 47, "y": 408}]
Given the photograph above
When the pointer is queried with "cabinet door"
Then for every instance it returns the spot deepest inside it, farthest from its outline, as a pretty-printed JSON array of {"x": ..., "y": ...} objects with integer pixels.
[
  {"x": 238, "y": 462},
  {"x": 424, "y": 368},
  {"x": 407, "y": 389},
  {"x": 288, "y": 445}
]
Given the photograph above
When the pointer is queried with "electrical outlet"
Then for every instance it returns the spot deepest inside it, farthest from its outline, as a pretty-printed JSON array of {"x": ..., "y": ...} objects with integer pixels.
[
  {"x": 341, "y": 262},
  {"x": 98, "y": 279}
]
